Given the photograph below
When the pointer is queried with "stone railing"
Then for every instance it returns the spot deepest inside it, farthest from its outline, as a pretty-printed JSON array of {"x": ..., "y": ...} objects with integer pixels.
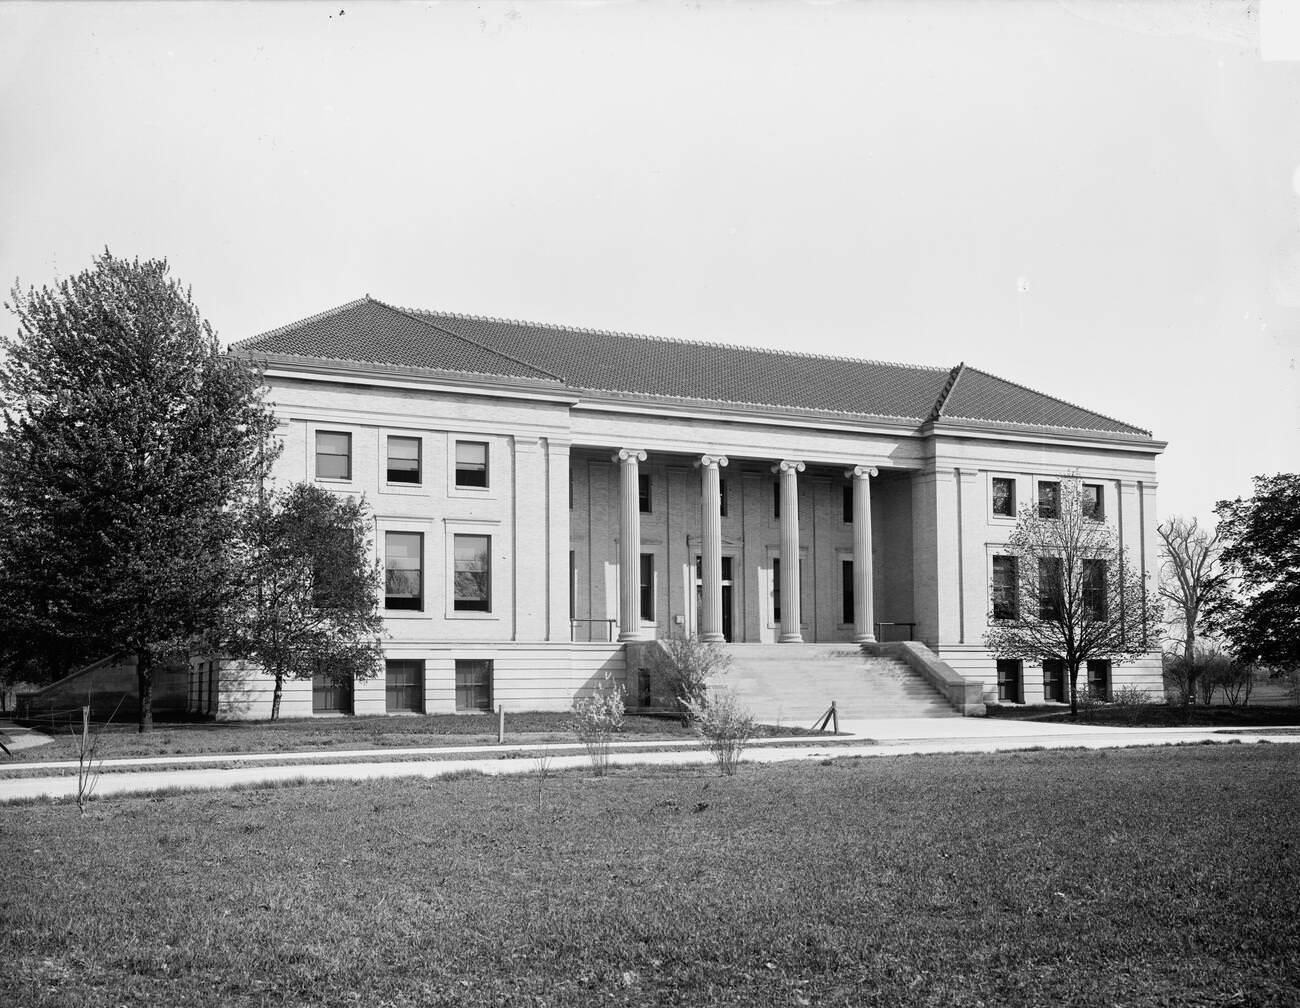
[{"x": 964, "y": 696}]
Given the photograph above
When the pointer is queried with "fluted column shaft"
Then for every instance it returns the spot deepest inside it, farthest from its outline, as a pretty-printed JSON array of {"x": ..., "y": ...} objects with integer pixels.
[
  {"x": 790, "y": 616},
  {"x": 864, "y": 609},
  {"x": 711, "y": 554},
  {"x": 629, "y": 543}
]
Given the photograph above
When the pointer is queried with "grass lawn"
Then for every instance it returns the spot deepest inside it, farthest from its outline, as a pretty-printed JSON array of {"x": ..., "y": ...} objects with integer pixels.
[
  {"x": 1162, "y": 876},
  {"x": 189, "y": 738}
]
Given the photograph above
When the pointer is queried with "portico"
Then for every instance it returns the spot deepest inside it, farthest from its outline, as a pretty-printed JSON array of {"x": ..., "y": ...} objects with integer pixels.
[{"x": 731, "y": 548}]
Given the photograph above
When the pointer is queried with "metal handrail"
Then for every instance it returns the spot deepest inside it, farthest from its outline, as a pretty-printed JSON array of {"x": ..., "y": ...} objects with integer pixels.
[{"x": 911, "y": 630}]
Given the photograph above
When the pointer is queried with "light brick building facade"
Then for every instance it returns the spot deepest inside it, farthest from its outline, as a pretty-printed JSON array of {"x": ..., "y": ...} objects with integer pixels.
[{"x": 543, "y": 496}]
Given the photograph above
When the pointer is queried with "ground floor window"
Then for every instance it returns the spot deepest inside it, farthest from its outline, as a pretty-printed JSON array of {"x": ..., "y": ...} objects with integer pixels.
[
  {"x": 404, "y": 685},
  {"x": 474, "y": 685},
  {"x": 330, "y": 695},
  {"x": 1010, "y": 684},
  {"x": 847, "y": 614},
  {"x": 1053, "y": 680},
  {"x": 1099, "y": 679}
]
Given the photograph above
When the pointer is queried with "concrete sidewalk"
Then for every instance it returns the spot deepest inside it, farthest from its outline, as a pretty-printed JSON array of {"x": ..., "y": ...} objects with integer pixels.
[{"x": 886, "y": 737}]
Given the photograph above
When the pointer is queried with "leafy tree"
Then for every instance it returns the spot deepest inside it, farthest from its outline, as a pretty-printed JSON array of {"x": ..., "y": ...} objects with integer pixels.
[
  {"x": 1074, "y": 595},
  {"x": 1191, "y": 582},
  {"x": 312, "y": 604},
  {"x": 1261, "y": 536},
  {"x": 128, "y": 444}
]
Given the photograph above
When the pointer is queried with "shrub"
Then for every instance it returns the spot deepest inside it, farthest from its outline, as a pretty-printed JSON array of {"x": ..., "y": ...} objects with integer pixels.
[
  {"x": 687, "y": 664},
  {"x": 1088, "y": 700},
  {"x": 1131, "y": 701},
  {"x": 726, "y": 725},
  {"x": 1237, "y": 683},
  {"x": 596, "y": 719}
]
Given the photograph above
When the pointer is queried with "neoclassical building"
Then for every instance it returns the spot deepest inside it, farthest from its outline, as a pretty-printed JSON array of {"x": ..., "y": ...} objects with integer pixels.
[{"x": 545, "y": 497}]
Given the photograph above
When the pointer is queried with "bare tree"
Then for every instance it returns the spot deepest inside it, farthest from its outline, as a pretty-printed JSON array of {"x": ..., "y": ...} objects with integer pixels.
[
  {"x": 1070, "y": 593},
  {"x": 1191, "y": 579}
]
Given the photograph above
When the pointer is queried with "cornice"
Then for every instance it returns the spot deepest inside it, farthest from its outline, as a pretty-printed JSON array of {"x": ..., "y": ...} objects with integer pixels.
[
  {"x": 989, "y": 430},
  {"x": 287, "y": 366}
]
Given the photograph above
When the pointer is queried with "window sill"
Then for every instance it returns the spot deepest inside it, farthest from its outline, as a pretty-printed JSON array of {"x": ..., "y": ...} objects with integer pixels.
[{"x": 471, "y": 615}]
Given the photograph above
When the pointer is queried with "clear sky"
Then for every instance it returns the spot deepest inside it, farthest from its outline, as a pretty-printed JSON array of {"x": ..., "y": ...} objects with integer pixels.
[{"x": 1100, "y": 200}]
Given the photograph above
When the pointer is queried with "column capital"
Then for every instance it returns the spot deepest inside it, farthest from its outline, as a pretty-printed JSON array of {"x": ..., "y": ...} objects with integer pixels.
[
  {"x": 789, "y": 465},
  {"x": 629, "y": 455},
  {"x": 705, "y": 461},
  {"x": 861, "y": 472}
]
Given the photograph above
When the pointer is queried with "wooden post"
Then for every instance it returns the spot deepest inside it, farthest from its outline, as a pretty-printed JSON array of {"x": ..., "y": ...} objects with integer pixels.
[
  {"x": 501, "y": 724},
  {"x": 835, "y": 718}
]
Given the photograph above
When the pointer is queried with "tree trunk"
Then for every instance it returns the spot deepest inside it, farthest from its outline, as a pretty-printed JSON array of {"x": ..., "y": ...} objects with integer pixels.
[
  {"x": 1074, "y": 689},
  {"x": 144, "y": 680},
  {"x": 275, "y": 697}
]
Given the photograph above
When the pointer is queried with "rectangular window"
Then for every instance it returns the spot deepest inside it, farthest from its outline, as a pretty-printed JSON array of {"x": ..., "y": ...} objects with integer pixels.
[
  {"x": 473, "y": 685},
  {"x": 1049, "y": 500},
  {"x": 333, "y": 455},
  {"x": 1051, "y": 587},
  {"x": 472, "y": 591},
  {"x": 776, "y": 589},
  {"x": 404, "y": 685},
  {"x": 776, "y": 500},
  {"x": 643, "y": 493},
  {"x": 1094, "y": 589},
  {"x": 847, "y": 612},
  {"x": 1053, "y": 680},
  {"x": 1005, "y": 596},
  {"x": 573, "y": 584},
  {"x": 648, "y": 587},
  {"x": 1093, "y": 506},
  {"x": 1004, "y": 497},
  {"x": 403, "y": 460},
  {"x": 403, "y": 570},
  {"x": 722, "y": 497},
  {"x": 330, "y": 695},
  {"x": 1099, "y": 679},
  {"x": 847, "y": 504},
  {"x": 471, "y": 464},
  {"x": 1010, "y": 688}
]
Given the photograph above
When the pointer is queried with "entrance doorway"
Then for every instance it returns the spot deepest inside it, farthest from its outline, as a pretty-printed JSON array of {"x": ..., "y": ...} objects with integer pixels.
[{"x": 727, "y": 595}]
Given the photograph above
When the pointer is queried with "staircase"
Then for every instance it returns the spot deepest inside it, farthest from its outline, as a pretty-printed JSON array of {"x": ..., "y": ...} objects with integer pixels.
[{"x": 793, "y": 684}]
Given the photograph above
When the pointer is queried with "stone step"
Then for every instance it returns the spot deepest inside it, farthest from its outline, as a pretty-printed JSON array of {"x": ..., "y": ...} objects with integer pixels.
[{"x": 795, "y": 683}]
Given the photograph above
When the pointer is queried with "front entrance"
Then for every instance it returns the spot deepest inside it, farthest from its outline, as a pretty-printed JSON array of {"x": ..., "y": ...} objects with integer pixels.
[{"x": 727, "y": 595}]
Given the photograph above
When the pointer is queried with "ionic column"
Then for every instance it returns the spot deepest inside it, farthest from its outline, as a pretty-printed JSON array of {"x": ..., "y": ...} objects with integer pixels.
[
  {"x": 629, "y": 543},
  {"x": 711, "y": 554},
  {"x": 864, "y": 609},
  {"x": 788, "y": 470}
]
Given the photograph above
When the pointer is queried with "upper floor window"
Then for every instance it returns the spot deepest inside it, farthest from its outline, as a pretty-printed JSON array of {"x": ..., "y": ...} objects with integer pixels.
[
  {"x": 722, "y": 497},
  {"x": 776, "y": 499},
  {"x": 1005, "y": 601},
  {"x": 403, "y": 459},
  {"x": 1004, "y": 497},
  {"x": 1094, "y": 589},
  {"x": 1051, "y": 587},
  {"x": 403, "y": 570},
  {"x": 643, "y": 492},
  {"x": 333, "y": 455},
  {"x": 846, "y": 505},
  {"x": 1092, "y": 501},
  {"x": 471, "y": 464},
  {"x": 1049, "y": 499},
  {"x": 648, "y": 587},
  {"x": 472, "y": 587}
]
